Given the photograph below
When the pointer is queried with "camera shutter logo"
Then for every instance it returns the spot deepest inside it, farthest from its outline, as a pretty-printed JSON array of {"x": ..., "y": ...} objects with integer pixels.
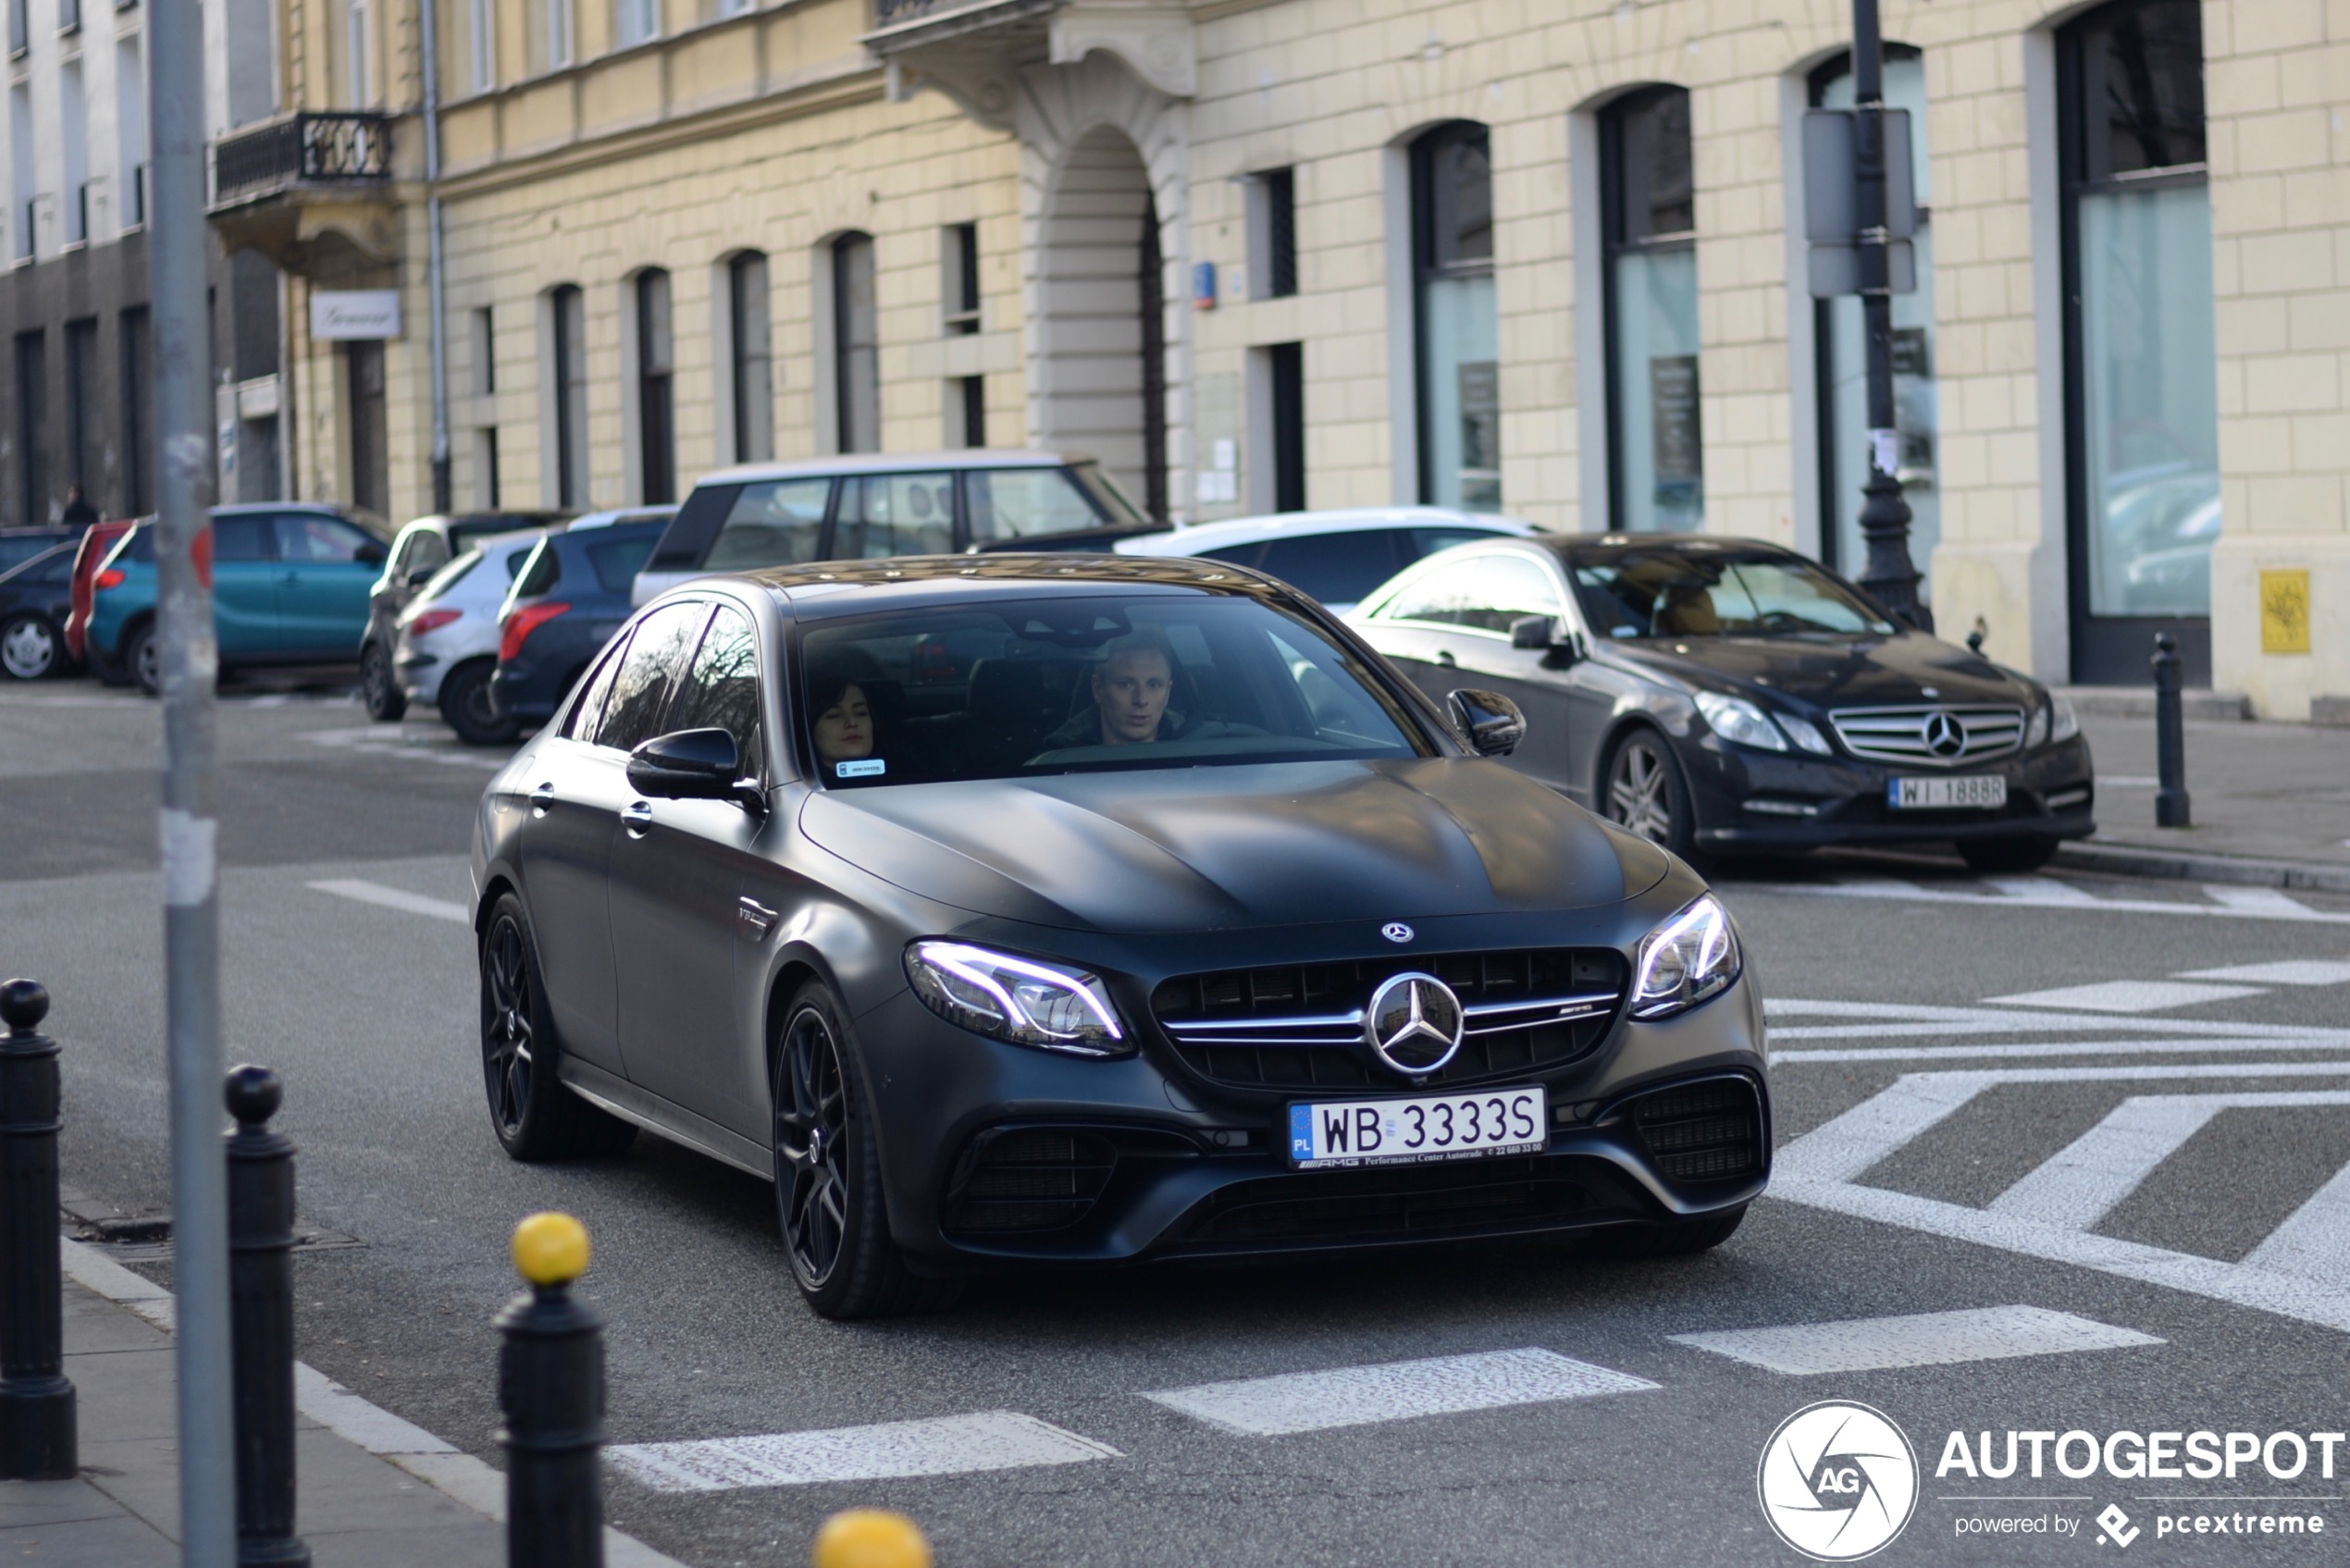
[{"x": 1837, "y": 1481}]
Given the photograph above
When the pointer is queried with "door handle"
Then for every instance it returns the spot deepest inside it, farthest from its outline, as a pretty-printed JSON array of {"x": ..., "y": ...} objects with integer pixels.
[
  {"x": 543, "y": 800},
  {"x": 1444, "y": 657},
  {"x": 636, "y": 816}
]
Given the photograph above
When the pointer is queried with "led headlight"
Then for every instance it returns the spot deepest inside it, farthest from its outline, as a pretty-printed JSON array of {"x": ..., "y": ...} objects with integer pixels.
[
  {"x": 2064, "y": 723},
  {"x": 1691, "y": 957},
  {"x": 2035, "y": 729},
  {"x": 1735, "y": 719},
  {"x": 1018, "y": 1000}
]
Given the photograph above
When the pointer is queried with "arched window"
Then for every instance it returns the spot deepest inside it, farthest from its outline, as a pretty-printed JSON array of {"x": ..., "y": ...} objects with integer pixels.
[
  {"x": 856, "y": 345},
  {"x": 2142, "y": 392},
  {"x": 749, "y": 357},
  {"x": 1843, "y": 362},
  {"x": 656, "y": 398},
  {"x": 1460, "y": 392},
  {"x": 567, "y": 329},
  {"x": 1648, "y": 220}
]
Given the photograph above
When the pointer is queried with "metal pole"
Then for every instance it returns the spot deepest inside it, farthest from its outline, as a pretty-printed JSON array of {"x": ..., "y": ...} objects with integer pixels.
[
  {"x": 36, "y": 1401},
  {"x": 2169, "y": 737},
  {"x": 436, "y": 297},
  {"x": 1885, "y": 516},
  {"x": 550, "y": 1388},
  {"x": 261, "y": 1215},
  {"x": 188, "y": 666}
]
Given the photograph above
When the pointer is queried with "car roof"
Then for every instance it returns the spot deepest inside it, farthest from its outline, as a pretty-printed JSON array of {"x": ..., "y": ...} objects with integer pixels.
[
  {"x": 821, "y": 589},
  {"x": 891, "y": 463},
  {"x": 660, "y": 512},
  {"x": 1194, "y": 537}
]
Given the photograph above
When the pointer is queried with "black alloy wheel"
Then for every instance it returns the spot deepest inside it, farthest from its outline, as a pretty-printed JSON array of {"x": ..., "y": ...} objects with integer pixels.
[
  {"x": 145, "y": 658},
  {"x": 2025, "y": 852},
  {"x": 378, "y": 689},
  {"x": 470, "y": 709},
  {"x": 30, "y": 648},
  {"x": 535, "y": 1117},
  {"x": 1643, "y": 791},
  {"x": 828, "y": 1177}
]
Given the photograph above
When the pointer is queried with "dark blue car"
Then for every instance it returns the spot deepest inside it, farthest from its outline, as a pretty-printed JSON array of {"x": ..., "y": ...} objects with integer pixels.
[{"x": 568, "y": 600}]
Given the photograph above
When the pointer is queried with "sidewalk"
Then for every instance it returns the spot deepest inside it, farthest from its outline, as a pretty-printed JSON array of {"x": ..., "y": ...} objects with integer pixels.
[
  {"x": 2270, "y": 804},
  {"x": 374, "y": 1491}
]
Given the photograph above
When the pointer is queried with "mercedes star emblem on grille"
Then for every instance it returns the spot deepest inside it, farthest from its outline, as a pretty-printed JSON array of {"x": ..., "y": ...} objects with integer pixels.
[
  {"x": 1944, "y": 735},
  {"x": 1396, "y": 930},
  {"x": 1414, "y": 1023}
]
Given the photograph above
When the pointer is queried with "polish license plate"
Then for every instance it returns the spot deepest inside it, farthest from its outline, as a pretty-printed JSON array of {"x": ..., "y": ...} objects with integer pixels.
[
  {"x": 1967, "y": 792},
  {"x": 1418, "y": 1131}
]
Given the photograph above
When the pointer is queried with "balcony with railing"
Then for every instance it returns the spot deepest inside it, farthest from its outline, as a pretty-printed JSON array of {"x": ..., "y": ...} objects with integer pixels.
[
  {"x": 973, "y": 50},
  {"x": 285, "y": 186}
]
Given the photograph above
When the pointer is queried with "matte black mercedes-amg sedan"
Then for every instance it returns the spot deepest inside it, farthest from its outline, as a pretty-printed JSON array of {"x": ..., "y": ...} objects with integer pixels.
[{"x": 1086, "y": 908}]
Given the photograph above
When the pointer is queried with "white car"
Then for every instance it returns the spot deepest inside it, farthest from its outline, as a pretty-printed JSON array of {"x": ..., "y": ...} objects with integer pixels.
[
  {"x": 1336, "y": 557},
  {"x": 445, "y": 644}
]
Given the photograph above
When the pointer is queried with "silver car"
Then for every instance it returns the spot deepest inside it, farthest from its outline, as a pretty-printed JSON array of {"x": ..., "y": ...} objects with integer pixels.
[{"x": 445, "y": 642}]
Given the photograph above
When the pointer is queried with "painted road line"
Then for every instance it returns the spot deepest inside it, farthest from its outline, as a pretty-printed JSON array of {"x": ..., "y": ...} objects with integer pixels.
[
  {"x": 1359, "y": 1396},
  {"x": 2284, "y": 972},
  {"x": 2127, "y": 995},
  {"x": 946, "y": 1445},
  {"x": 2254, "y": 899},
  {"x": 1931, "y": 1338},
  {"x": 1818, "y": 1172},
  {"x": 1885, "y": 887},
  {"x": 2083, "y": 1182},
  {"x": 2045, "y": 1049},
  {"x": 393, "y": 898},
  {"x": 1887, "y": 1021},
  {"x": 2315, "y": 1240},
  {"x": 2041, "y": 890}
]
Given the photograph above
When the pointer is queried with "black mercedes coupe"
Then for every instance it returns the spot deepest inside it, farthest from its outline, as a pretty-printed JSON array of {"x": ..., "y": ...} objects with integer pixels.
[
  {"x": 1091, "y": 909},
  {"x": 1716, "y": 694}
]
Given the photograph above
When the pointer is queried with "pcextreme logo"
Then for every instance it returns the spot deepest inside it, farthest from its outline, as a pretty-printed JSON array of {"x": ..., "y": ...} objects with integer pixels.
[{"x": 1837, "y": 1481}]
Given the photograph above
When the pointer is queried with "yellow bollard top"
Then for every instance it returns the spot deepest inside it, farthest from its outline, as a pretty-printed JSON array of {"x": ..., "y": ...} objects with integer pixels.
[
  {"x": 550, "y": 1249},
  {"x": 869, "y": 1538}
]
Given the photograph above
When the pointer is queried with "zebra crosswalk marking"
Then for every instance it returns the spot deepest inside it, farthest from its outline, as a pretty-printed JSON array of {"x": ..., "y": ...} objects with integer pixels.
[{"x": 2088, "y": 1178}]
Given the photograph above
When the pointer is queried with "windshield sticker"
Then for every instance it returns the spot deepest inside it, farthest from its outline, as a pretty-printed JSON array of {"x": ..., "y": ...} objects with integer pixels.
[{"x": 865, "y": 767}]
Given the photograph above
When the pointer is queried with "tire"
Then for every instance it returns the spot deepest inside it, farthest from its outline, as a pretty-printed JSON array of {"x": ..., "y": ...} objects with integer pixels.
[
  {"x": 1643, "y": 791},
  {"x": 2025, "y": 852},
  {"x": 379, "y": 688},
  {"x": 466, "y": 704},
  {"x": 143, "y": 657},
  {"x": 828, "y": 1179},
  {"x": 1672, "y": 1238},
  {"x": 30, "y": 648},
  {"x": 535, "y": 1117}
]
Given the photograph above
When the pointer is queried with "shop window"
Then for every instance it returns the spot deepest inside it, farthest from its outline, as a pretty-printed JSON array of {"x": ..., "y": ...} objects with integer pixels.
[
  {"x": 567, "y": 322},
  {"x": 656, "y": 398},
  {"x": 751, "y": 357},
  {"x": 1460, "y": 401},
  {"x": 1648, "y": 190},
  {"x": 856, "y": 345}
]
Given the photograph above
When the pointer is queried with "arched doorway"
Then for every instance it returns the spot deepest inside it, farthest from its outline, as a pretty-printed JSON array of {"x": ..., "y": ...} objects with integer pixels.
[{"x": 1101, "y": 369}]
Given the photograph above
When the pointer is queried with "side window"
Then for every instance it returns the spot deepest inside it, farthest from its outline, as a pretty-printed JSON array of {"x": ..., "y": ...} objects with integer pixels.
[
  {"x": 882, "y": 515},
  {"x": 772, "y": 525},
  {"x": 1510, "y": 587},
  {"x": 722, "y": 689},
  {"x": 1334, "y": 568},
  {"x": 1013, "y": 503},
  {"x": 648, "y": 675},
  {"x": 582, "y": 723},
  {"x": 617, "y": 562},
  {"x": 1445, "y": 596},
  {"x": 422, "y": 549},
  {"x": 319, "y": 539},
  {"x": 239, "y": 538}
]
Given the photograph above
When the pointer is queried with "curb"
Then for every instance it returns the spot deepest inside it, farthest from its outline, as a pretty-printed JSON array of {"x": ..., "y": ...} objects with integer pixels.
[
  {"x": 437, "y": 1462},
  {"x": 2130, "y": 860},
  {"x": 2199, "y": 706}
]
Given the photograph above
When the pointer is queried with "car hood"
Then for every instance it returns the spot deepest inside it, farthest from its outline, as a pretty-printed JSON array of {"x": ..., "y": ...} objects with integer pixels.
[
  {"x": 1830, "y": 672},
  {"x": 1189, "y": 849}
]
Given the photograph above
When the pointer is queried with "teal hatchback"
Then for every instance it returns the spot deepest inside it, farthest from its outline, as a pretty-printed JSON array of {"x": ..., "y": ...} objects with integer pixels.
[{"x": 289, "y": 585}]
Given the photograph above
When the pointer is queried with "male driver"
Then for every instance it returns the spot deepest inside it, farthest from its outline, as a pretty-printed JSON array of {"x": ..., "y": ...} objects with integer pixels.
[{"x": 1131, "y": 689}]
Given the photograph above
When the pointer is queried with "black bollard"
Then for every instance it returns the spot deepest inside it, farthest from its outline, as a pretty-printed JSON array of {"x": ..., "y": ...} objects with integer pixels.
[
  {"x": 261, "y": 1212},
  {"x": 2169, "y": 737},
  {"x": 36, "y": 1401},
  {"x": 550, "y": 1388}
]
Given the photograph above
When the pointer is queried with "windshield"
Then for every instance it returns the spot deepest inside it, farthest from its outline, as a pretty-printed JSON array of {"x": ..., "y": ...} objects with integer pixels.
[
  {"x": 1676, "y": 591},
  {"x": 1020, "y": 688}
]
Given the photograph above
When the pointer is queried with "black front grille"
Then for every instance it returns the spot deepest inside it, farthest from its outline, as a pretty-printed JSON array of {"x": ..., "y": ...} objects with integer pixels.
[
  {"x": 1299, "y": 1026},
  {"x": 1710, "y": 1132},
  {"x": 1532, "y": 1192},
  {"x": 1024, "y": 1179}
]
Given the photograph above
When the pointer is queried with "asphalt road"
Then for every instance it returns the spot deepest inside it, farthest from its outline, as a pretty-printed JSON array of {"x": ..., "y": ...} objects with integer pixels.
[{"x": 2160, "y": 1164}]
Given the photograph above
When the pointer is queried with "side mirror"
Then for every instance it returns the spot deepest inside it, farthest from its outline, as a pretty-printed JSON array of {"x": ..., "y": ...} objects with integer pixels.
[
  {"x": 370, "y": 554},
  {"x": 1545, "y": 633},
  {"x": 1489, "y": 721},
  {"x": 685, "y": 765}
]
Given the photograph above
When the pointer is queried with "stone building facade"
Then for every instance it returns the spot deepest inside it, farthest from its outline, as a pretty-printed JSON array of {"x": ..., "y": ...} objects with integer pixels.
[{"x": 1544, "y": 258}]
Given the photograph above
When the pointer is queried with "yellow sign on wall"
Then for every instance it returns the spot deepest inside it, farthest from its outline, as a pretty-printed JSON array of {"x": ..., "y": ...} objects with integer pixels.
[{"x": 2285, "y": 611}]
